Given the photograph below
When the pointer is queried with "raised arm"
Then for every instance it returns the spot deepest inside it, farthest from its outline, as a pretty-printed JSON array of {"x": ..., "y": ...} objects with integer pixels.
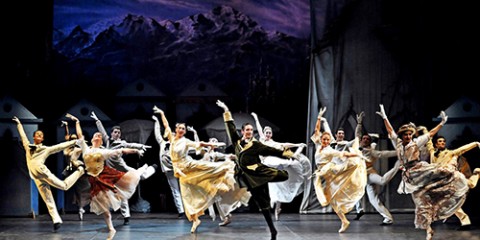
[
  {"x": 229, "y": 123},
  {"x": 388, "y": 126},
  {"x": 78, "y": 128},
  {"x": 326, "y": 128},
  {"x": 437, "y": 128},
  {"x": 358, "y": 129},
  {"x": 168, "y": 131},
  {"x": 195, "y": 135},
  {"x": 157, "y": 130},
  {"x": 162, "y": 115},
  {"x": 67, "y": 132},
  {"x": 318, "y": 126},
  {"x": 100, "y": 128},
  {"x": 258, "y": 126},
  {"x": 21, "y": 131}
]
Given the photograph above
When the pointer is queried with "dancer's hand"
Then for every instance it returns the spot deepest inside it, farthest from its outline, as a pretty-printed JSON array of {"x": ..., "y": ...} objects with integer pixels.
[
  {"x": 15, "y": 119},
  {"x": 321, "y": 112},
  {"x": 222, "y": 105},
  {"x": 382, "y": 112},
  {"x": 360, "y": 117},
  {"x": 68, "y": 115},
  {"x": 94, "y": 116},
  {"x": 444, "y": 117},
  {"x": 157, "y": 110}
]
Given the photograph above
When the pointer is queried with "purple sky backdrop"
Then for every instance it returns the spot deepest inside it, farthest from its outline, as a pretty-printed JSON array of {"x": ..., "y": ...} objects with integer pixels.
[{"x": 288, "y": 16}]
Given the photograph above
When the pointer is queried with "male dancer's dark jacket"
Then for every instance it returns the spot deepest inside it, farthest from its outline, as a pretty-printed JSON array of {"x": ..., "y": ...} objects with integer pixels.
[{"x": 251, "y": 172}]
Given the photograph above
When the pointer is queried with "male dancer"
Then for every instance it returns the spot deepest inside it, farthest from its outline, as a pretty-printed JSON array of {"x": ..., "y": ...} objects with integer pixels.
[
  {"x": 250, "y": 172},
  {"x": 36, "y": 154}
]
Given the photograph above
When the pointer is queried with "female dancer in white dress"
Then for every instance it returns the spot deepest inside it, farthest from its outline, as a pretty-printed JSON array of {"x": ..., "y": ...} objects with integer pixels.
[
  {"x": 109, "y": 187},
  {"x": 298, "y": 170},
  {"x": 340, "y": 184},
  {"x": 200, "y": 181}
]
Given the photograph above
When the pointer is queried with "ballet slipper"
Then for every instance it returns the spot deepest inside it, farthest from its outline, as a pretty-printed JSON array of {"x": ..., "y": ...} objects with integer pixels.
[
  {"x": 195, "y": 225},
  {"x": 344, "y": 227},
  {"x": 111, "y": 234}
]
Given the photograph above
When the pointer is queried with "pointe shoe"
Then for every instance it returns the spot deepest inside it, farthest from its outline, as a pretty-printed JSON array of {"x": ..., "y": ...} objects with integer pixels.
[
  {"x": 195, "y": 225},
  {"x": 344, "y": 227},
  {"x": 81, "y": 211},
  {"x": 277, "y": 213},
  {"x": 111, "y": 234}
]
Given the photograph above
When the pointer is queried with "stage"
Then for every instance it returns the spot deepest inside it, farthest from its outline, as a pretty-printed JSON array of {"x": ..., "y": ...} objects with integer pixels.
[{"x": 244, "y": 226}]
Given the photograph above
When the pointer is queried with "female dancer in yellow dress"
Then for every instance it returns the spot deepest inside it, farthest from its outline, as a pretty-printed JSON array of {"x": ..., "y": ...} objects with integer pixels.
[
  {"x": 200, "y": 181},
  {"x": 340, "y": 184}
]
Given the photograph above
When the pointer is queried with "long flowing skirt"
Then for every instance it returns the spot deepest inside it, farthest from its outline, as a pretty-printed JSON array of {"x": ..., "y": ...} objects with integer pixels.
[
  {"x": 438, "y": 192},
  {"x": 298, "y": 173},
  {"x": 342, "y": 185},
  {"x": 203, "y": 181},
  {"x": 111, "y": 186}
]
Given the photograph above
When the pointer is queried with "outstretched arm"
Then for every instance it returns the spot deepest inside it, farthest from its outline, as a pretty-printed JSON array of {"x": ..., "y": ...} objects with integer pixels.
[{"x": 139, "y": 152}]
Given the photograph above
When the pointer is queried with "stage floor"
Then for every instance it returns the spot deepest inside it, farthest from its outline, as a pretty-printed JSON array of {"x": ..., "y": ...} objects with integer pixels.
[{"x": 246, "y": 226}]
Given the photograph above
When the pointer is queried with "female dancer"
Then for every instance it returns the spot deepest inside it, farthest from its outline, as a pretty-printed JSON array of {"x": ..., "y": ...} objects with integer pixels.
[
  {"x": 200, "y": 181},
  {"x": 298, "y": 171},
  {"x": 109, "y": 187},
  {"x": 438, "y": 191},
  {"x": 231, "y": 200},
  {"x": 338, "y": 183}
]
